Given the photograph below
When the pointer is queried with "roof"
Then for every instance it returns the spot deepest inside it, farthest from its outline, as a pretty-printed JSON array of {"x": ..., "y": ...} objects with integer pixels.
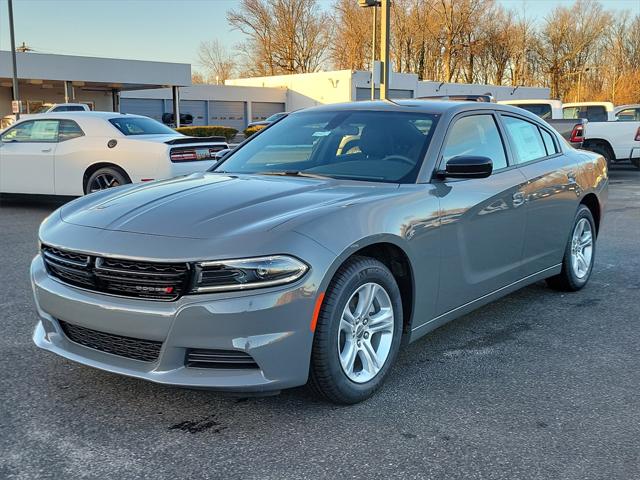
[
  {"x": 433, "y": 107},
  {"x": 96, "y": 72},
  {"x": 76, "y": 115}
]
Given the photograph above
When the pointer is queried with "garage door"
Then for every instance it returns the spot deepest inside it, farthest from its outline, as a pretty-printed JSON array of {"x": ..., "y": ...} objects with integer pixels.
[
  {"x": 148, "y": 107},
  {"x": 227, "y": 114},
  {"x": 195, "y": 108},
  {"x": 262, "y": 110}
]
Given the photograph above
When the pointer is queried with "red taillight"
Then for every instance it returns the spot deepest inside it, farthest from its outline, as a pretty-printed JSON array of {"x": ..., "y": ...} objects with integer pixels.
[
  {"x": 638, "y": 135},
  {"x": 576, "y": 134},
  {"x": 183, "y": 155}
]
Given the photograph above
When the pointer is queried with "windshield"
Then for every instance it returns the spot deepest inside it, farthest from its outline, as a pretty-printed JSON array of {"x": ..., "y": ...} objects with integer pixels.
[
  {"x": 374, "y": 146},
  {"x": 42, "y": 108},
  {"x": 140, "y": 126}
]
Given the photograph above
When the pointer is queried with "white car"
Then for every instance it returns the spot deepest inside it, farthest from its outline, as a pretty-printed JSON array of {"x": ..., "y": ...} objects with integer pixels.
[
  {"x": 9, "y": 120},
  {"x": 77, "y": 153}
]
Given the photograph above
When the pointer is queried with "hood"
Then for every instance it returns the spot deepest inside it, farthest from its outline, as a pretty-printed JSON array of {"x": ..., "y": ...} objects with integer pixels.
[{"x": 209, "y": 205}]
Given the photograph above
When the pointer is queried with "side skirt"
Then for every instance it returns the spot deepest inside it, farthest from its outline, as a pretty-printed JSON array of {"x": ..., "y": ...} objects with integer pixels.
[{"x": 440, "y": 320}]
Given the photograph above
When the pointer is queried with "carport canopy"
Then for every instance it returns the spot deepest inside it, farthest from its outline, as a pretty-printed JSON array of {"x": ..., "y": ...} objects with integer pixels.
[{"x": 92, "y": 74}]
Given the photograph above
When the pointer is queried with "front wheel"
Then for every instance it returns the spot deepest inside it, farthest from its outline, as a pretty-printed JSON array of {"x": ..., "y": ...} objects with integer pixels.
[
  {"x": 358, "y": 333},
  {"x": 579, "y": 255}
]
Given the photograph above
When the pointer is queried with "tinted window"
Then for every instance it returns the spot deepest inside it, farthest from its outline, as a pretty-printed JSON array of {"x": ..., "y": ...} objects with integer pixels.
[
  {"x": 526, "y": 139},
  {"x": 629, "y": 115},
  {"x": 69, "y": 129},
  {"x": 33, "y": 131},
  {"x": 540, "y": 109},
  {"x": 476, "y": 135},
  {"x": 549, "y": 144},
  {"x": 359, "y": 145},
  {"x": 69, "y": 108},
  {"x": 593, "y": 113},
  {"x": 140, "y": 126}
]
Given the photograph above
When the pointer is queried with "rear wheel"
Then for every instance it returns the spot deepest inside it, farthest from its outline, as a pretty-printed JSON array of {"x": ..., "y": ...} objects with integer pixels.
[
  {"x": 604, "y": 150},
  {"x": 636, "y": 162},
  {"x": 358, "y": 333},
  {"x": 579, "y": 255},
  {"x": 103, "y": 178}
]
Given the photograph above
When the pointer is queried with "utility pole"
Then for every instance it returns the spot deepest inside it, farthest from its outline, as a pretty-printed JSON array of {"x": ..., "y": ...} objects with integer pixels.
[
  {"x": 373, "y": 51},
  {"x": 16, "y": 93},
  {"x": 385, "y": 37}
]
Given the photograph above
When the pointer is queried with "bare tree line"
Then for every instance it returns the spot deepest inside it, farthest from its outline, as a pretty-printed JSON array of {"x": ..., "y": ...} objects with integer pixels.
[{"x": 580, "y": 52}]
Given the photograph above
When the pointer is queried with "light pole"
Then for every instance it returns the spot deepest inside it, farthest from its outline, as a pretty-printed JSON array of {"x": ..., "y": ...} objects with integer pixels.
[
  {"x": 373, "y": 50},
  {"x": 385, "y": 37},
  {"x": 16, "y": 94}
]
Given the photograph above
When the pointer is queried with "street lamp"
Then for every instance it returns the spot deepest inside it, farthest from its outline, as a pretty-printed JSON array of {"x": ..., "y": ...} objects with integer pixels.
[
  {"x": 16, "y": 95},
  {"x": 385, "y": 27}
]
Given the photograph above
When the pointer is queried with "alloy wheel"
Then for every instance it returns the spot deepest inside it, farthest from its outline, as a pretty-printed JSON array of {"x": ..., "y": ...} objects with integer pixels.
[
  {"x": 366, "y": 332},
  {"x": 582, "y": 248},
  {"x": 102, "y": 182}
]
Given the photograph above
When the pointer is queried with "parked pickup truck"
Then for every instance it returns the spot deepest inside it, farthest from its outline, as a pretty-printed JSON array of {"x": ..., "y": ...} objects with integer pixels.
[
  {"x": 8, "y": 120},
  {"x": 551, "y": 111},
  {"x": 613, "y": 132}
]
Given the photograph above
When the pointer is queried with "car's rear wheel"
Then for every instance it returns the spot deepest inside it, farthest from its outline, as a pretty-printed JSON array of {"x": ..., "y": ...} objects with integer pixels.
[
  {"x": 579, "y": 255},
  {"x": 103, "y": 178},
  {"x": 358, "y": 332},
  {"x": 636, "y": 162}
]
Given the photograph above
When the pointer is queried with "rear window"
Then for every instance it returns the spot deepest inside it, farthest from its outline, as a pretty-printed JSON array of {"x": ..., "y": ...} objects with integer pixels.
[
  {"x": 593, "y": 113},
  {"x": 140, "y": 126},
  {"x": 542, "y": 110}
]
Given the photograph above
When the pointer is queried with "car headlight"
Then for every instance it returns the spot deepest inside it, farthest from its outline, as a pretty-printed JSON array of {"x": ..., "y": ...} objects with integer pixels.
[{"x": 247, "y": 273}]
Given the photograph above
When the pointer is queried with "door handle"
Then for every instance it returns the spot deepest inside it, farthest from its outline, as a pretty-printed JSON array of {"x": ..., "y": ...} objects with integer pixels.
[{"x": 46, "y": 150}]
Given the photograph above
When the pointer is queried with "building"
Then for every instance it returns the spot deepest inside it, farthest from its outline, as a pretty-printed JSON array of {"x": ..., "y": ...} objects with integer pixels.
[
  {"x": 230, "y": 106},
  {"x": 309, "y": 89},
  {"x": 48, "y": 78}
]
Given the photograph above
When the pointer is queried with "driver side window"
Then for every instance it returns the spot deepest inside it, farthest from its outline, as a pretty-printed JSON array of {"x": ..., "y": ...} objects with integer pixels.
[{"x": 478, "y": 136}]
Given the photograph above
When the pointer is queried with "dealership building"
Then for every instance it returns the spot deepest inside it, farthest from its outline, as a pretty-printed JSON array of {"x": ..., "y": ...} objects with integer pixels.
[{"x": 154, "y": 88}]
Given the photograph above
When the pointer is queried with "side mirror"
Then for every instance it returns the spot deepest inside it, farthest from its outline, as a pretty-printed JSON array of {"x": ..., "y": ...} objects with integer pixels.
[{"x": 468, "y": 167}]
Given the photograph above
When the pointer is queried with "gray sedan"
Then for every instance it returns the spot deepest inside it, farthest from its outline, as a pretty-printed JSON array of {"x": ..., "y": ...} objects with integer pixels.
[{"x": 315, "y": 249}]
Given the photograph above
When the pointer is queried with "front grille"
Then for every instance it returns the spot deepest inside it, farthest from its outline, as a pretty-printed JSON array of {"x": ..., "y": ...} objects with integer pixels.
[
  {"x": 157, "y": 281},
  {"x": 229, "y": 359},
  {"x": 134, "y": 348}
]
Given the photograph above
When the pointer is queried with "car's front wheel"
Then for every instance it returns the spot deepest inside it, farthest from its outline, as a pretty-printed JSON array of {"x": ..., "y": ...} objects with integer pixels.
[
  {"x": 580, "y": 254},
  {"x": 358, "y": 332},
  {"x": 103, "y": 178}
]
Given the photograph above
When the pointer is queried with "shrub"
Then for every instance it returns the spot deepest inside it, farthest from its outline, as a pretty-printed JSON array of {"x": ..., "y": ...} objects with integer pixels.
[
  {"x": 251, "y": 130},
  {"x": 209, "y": 131}
]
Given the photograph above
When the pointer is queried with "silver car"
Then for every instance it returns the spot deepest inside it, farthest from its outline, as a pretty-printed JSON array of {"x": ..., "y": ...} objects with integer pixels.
[{"x": 317, "y": 248}]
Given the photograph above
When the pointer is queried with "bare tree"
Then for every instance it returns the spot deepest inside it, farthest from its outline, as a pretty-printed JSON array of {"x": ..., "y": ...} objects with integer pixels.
[
  {"x": 284, "y": 36},
  {"x": 217, "y": 62},
  {"x": 351, "y": 44}
]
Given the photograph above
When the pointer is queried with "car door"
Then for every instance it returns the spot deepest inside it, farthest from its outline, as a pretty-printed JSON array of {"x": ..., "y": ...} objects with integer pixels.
[
  {"x": 482, "y": 219},
  {"x": 27, "y": 157},
  {"x": 550, "y": 192}
]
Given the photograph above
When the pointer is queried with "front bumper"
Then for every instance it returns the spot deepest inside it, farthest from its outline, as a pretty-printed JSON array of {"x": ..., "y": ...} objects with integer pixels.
[{"x": 273, "y": 326}]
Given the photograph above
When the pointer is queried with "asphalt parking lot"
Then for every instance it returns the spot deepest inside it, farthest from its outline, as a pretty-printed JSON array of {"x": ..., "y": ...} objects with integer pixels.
[{"x": 539, "y": 385}]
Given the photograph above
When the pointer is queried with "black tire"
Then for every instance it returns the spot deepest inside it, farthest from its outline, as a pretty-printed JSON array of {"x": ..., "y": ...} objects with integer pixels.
[
  {"x": 106, "y": 177},
  {"x": 567, "y": 280},
  {"x": 326, "y": 376},
  {"x": 636, "y": 162},
  {"x": 605, "y": 151}
]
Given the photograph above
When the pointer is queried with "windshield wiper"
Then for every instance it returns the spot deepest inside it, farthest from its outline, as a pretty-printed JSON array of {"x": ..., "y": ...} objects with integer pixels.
[{"x": 292, "y": 173}]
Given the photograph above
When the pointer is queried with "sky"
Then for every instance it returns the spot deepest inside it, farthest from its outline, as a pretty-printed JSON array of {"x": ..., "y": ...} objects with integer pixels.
[{"x": 161, "y": 30}]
